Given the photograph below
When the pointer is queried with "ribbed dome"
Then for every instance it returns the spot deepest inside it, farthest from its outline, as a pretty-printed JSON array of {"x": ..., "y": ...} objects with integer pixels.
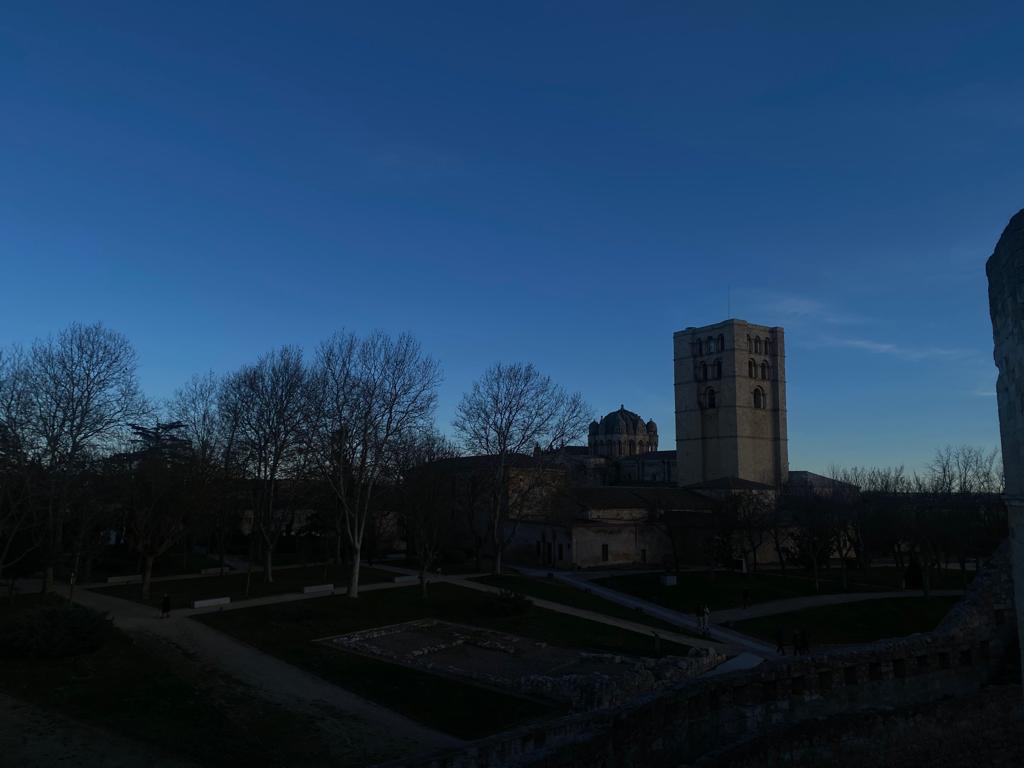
[{"x": 622, "y": 422}]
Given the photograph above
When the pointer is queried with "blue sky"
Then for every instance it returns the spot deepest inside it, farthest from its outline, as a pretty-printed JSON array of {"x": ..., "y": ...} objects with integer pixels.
[{"x": 566, "y": 183}]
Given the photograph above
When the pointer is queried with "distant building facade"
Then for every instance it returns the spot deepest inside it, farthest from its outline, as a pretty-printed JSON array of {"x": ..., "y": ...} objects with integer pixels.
[{"x": 730, "y": 396}]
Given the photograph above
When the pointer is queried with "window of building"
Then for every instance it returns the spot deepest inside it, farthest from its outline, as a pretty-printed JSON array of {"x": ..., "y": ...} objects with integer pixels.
[
  {"x": 643, "y": 555},
  {"x": 751, "y": 369},
  {"x": 604, "y": 553},
  {"x": 718, "y": 369},
  {"x": 721, "y": 343},
  {"x": 758, "y": 398},
  {"x": 709, "y": 398},
  {"x": 703, "y": 371},
  {"x": 561, "y": 552},
  {"x": 757, "y": 344},
  {"x": 764, "y": 369},
  {"x": 750, "y": 344}
]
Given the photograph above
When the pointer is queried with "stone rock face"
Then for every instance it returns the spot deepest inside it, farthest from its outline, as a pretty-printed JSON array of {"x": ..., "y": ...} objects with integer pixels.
[{"x": 1005, "y": 269}]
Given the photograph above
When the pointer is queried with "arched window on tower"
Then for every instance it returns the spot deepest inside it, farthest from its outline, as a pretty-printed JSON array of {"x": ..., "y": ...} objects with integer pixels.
[
  {"x": 632, "y": 448},
  {"x": 703, "y": 371},
  {"x": 764, "y": 369},
  {"x": 757, "y": 344},
  {"x": 758, "y": 397},
  {"x": 718, "y": 369},
  {"x": 721, "y": 343},
  {"x": 768, "y": 346},
  {"x": 751, "y": 369},
  {"x": 709, "y": 398}
]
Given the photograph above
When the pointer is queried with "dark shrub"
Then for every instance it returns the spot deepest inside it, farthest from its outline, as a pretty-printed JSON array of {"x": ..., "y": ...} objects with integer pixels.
[{"x": 54, "y": 631}]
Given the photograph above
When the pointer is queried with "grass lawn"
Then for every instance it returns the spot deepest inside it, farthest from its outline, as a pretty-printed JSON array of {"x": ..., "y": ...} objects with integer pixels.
[
  {"x": 184, "y": 591},
  {"x": 725, "y": 589},
  {"x": 149, "y": 691},
  {"x": 861, "y": 622},
  {"x": 125, "y": 563},
  {"x": 556, "y": 592},
  {"x": 446, "y": 569},
  {"x": 287, "y": 629}
]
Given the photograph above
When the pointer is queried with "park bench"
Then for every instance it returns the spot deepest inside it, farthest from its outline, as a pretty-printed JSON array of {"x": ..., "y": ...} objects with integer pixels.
[
  {"x": 318, "y": 589},
  {"x": 210, "y": 602},
  {"x": 135, "y": 578}
]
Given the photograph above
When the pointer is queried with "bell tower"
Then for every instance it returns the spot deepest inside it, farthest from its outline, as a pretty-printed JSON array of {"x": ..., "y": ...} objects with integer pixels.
[{"x": 730, "y": 391}]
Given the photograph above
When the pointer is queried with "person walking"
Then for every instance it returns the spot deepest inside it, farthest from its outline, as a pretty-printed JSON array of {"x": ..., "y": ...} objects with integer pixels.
[{"x": 165, "y": 606}]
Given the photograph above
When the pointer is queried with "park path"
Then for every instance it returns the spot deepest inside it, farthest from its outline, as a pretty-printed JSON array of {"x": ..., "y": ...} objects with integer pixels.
[
  {"x": 273, "y": 678},
  {"x": 754, "y": 647},
  {"x": 791, "y": 604}
]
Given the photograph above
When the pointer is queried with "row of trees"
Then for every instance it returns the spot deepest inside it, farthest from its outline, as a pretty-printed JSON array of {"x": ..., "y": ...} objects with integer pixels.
[
  {"x": 83, "y": 453},
  {"x": 950, "y": 512}
]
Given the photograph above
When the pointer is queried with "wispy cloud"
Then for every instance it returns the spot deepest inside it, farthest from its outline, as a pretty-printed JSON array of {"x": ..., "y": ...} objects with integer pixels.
[
  {"x": 984, "y": 392},
  {"x": 896, "y": 350},
  {"x": 795, "y": 308}
]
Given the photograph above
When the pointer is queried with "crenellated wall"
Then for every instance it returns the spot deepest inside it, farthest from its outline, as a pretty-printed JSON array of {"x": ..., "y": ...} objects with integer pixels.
[{"x": 695, "y": 720}]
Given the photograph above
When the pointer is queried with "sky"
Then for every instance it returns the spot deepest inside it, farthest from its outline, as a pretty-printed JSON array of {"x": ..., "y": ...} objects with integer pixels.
[{"x": 562, "y": 183}]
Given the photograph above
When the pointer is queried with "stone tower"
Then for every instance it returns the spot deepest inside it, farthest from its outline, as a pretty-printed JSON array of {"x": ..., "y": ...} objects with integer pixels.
[
  {"x": 1005, "y": 270},
  {"x": 730, "y": 382}
]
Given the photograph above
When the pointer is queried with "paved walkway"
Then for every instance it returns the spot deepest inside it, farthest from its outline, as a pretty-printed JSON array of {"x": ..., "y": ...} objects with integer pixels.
[
  {"x": 789, "y": 605},
  {"x": 721, "y": 635},
  {"x": 275, "y": 679}
]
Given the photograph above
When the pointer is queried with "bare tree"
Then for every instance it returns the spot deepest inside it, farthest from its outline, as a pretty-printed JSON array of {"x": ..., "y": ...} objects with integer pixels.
[
  {"x": 84, "y": 392},
  {"x": 157, "y": 483},
  {"x": 211, "y": 436},
  {"x": 17, "y": 469},
  {"x": 367, "y": 394},
  {"x": 268, "y": 399},
  {"x": 514, "y": 411},
  {"x": 427, "y": 498}
]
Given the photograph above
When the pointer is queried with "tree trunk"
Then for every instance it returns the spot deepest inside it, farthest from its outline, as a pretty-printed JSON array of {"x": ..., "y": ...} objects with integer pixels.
[
  {"x": 496, "y": 570},
  {"x": 353, "y": 578},
  {"x": 147, "y": 577},
  {"x": 268, "y": 564}
]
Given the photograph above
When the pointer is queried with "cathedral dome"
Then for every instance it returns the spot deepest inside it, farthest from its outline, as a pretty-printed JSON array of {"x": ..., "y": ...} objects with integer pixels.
[
  {"x": 622, "y": 433},
  {"x": 622, "y": 422}
]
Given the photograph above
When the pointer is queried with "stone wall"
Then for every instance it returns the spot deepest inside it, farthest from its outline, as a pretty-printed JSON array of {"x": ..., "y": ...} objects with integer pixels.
[
  {"x": 697, "y": 719},
  {"x": 1005, "y": 269}
]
